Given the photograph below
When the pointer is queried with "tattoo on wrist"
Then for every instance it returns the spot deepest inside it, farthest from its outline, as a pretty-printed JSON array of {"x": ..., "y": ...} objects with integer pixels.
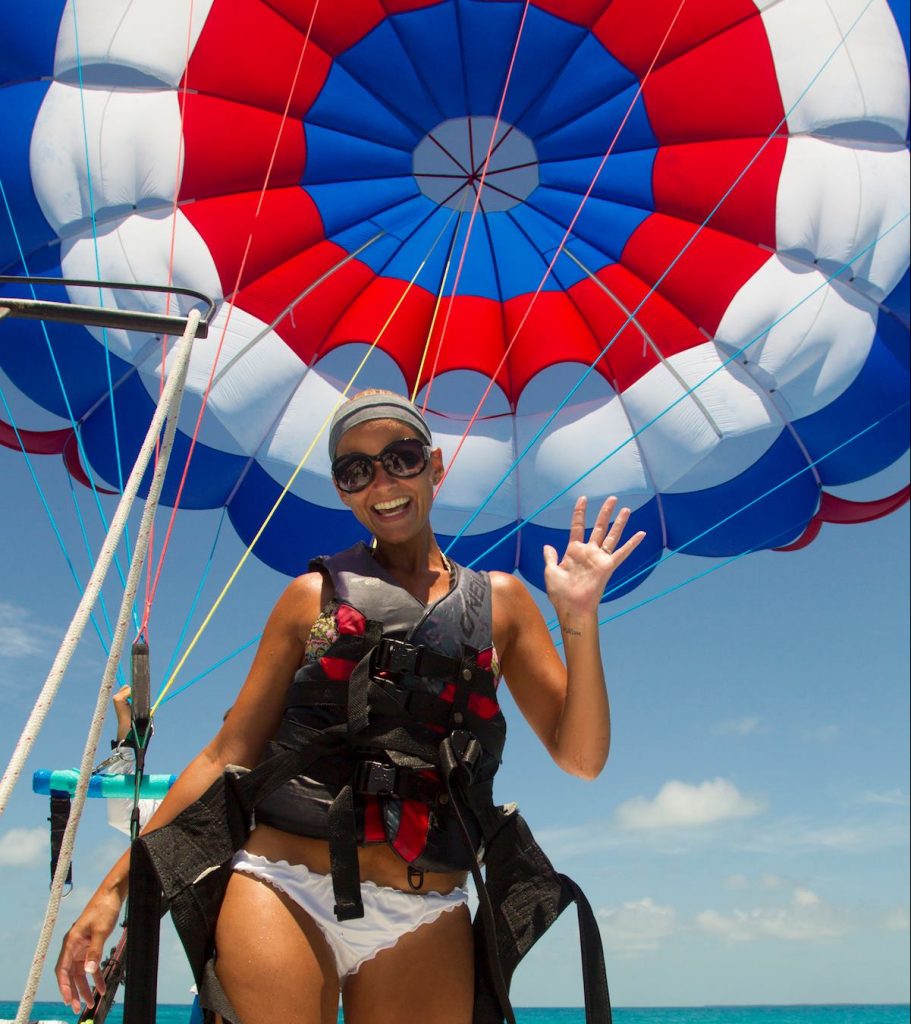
[{"x": 569, "y": 631}]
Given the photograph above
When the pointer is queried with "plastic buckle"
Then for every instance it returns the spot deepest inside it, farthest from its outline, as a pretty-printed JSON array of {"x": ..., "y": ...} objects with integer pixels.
[
  {"x": 374, "y": 777},
  {"x": 466, "y": 748},
  {"x": 394, "y": 656}
]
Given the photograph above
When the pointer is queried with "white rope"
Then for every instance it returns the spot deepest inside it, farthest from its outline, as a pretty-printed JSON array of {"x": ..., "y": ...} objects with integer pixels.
[
  {"x": 170, "y": 404},
  {"x": 92, "y": 590}
]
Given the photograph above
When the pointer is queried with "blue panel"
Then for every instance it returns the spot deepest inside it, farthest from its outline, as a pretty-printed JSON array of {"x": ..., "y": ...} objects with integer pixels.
[
  {"x": 877, "y": 399},
  {"x": 587, "y": 80},
  {"x": 590, "y": 134},
  {"x": 547, "y": 45},
  {"x": 297, "y": 532},
  {"x": 469, "y": 549},
  {"x": 634, "y": 570},
  {"x": 18, "y": 110},
  {"x": 520, "y": 263},
  {"x": 424, "y": 242},
  {"x": 371, "y": 61},
  {"x": 332, "y": 156},
  {"x": 898, "y": 303},
  {"x": 625, "y": 178},
  {"x": 772, "y": 520},
  {"x": 344, "y": 204},
  {"x": 604, "y": 225},
  {"x": 431, "y": 37},
  {"x": 213, "y": 473},
  {"x": 28, "y": 40},
  {"x": 347, "y": 106},
  {"x": 488, "y": 35},
  {"x": 902, "y": 14}
]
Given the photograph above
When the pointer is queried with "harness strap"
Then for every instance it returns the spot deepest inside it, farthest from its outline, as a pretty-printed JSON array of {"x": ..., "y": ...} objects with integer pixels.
[
  {"x": 144, "y": 908},
  {"x": 343, "y": 859},
  {"x": 59, "y": 816}
]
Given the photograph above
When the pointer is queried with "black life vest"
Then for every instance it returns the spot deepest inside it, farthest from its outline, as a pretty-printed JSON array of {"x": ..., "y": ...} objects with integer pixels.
[
  {"x": 430, "y": 675},
  {"x": 399, "y": 716}
]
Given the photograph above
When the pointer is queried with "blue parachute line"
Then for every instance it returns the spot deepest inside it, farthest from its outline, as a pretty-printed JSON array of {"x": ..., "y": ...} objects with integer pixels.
[
  {"x": 212, "y": 668},
  {"x": 199, "y": 589},
  {"x": 685, "y": 394},
  {"x": 42, "y": 497},
  {"x": 778, "y": 532},
  {"x": 631, "y": 316},
  {"x": 104, "y": 332},
  {"x": 76, "y": 432}
]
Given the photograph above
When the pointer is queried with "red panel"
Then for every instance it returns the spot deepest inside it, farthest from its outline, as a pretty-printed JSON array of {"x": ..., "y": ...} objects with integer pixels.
[
  {"x": 578, "y": 12},
  {"x": 629, "y": 356},
  {"x": 408, "y": 312},
  {"x": 473, "y": 338},
  {"x": 689, "y": 180},
  {"x": 350, "y": 621},
  {"x": 705, "y": 278},
  {"x": 216, "y": 163},
  {"x": 288, "y": 221},
  {"x": 634, "y": 40},
  {"x": 337, "y": 669},
  {"x": 247, "y": 52},
  {"x": 413, "y": 826},
  {"x": 373, "y": 821},
  {"x": 305, "y": 328},
  {"x": 729, "y": 85},
  {"x": 338, "y": 23},
  {"x": 553, "y": 333}
]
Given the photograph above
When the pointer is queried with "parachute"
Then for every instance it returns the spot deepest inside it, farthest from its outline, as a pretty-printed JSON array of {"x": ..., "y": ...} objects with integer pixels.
[{"x": 658, "y": 251}]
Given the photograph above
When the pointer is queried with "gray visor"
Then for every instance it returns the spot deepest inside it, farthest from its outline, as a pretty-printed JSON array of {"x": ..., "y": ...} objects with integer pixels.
[{"x": 376, "y": 407}]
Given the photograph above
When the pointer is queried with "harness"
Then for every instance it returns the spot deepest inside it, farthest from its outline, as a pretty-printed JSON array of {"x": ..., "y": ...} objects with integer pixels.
[{"x": 393, "y": 735}]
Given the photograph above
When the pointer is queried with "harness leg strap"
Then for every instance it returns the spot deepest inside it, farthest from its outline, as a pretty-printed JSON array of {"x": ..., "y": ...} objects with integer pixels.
[
  {"x": 144, "y": 910},
  {"x": 346, "y": 875}
]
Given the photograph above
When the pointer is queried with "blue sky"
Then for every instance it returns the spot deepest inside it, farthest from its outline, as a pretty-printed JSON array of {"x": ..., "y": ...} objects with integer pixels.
[{"x": 747, "y": 842}]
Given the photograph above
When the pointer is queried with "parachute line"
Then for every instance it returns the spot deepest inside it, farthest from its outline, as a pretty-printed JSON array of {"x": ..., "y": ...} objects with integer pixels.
[
  {"x": 649, "y": 293},
  {"x": 735, "y": 355}
]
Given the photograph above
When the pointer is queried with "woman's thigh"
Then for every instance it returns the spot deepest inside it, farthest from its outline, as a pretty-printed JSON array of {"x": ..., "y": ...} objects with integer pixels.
[
  {"x": 427, "y": 976},
  {"x": 272, "y": 960}
]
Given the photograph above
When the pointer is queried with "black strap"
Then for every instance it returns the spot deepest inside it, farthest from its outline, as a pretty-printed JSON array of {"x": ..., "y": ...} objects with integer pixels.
[
  {"x": 59, "y": 816},
  {"x": 144, "y": 905},
  {"x": 346, "y": 876},
  {"x": 594, "y": 974}
]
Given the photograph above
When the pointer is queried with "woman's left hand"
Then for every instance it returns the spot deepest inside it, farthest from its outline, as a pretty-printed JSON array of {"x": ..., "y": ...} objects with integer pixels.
[{"x": 576, "y": 583}]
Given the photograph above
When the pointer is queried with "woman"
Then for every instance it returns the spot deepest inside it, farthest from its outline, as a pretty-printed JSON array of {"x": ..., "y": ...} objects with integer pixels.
[{"x": 281, "y": 953}]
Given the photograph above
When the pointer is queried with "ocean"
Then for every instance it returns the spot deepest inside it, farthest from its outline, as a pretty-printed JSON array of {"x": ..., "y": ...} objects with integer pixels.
[{"x": 836, "y": 1014}]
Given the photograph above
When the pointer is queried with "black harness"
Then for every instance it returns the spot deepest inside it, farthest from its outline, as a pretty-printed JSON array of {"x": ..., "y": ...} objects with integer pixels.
[{"x": 393, "y": 732}]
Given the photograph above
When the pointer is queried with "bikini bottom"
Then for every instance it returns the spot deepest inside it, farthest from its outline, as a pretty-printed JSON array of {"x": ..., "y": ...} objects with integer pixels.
[{"x": 388, "y": 913}]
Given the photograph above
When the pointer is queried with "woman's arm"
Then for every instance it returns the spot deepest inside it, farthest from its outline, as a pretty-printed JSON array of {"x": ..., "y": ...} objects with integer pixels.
[
  {"x": 566, "y": 705},
  {"x": 253, "y": 720}
]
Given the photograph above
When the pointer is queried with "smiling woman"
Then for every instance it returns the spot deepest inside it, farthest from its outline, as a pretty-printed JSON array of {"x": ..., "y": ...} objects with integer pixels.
[{"x": 378, "y": 760}]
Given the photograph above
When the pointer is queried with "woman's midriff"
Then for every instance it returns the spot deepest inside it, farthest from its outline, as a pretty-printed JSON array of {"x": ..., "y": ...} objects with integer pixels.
[{"x": 378, "y": 863}]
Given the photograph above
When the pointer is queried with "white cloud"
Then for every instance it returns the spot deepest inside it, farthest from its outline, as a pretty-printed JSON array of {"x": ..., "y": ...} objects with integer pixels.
[
  {"x": 19, "y": 637},
  {"x": 803, "y": 836},
  {"x": 735, "y": 882},
  {"x": 890, "y": 797},
  {"x": 638, "y": 925},
  {"x": 770, "y": 882},
  {"x": 681, "y": 804},
  {"x": 23, "y": 847},
  {"x": 737, "y": 726},
  {"x": 806, "y": 919},
  {"x": 898, "y": 920}
]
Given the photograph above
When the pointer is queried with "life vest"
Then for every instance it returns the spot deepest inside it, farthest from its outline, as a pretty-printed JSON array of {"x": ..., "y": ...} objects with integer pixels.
[
  {"x": 429, "y": 676},
  {"x": 393, "y": 736}
]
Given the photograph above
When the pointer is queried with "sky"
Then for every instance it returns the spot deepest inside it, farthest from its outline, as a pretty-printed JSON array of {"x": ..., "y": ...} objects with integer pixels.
[{"x": 746, "y": 843}]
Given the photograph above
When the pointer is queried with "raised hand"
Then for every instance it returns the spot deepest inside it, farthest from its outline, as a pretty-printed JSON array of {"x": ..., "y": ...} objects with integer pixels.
[{"x": 576, "y": 583}]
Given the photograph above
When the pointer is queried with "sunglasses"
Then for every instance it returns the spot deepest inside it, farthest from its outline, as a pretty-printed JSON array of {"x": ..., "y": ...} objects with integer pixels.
[{"x": 353, "y": 472}]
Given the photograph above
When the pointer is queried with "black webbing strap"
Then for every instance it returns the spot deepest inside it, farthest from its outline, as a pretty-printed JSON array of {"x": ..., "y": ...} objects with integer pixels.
[
  {"x": 359, "y": 681},
  {"x": 144, "y": 905},
  {"x": 346, "y": 876},
  {"x": 594, "y": 974},
  {"x": 60, "y": 815}
]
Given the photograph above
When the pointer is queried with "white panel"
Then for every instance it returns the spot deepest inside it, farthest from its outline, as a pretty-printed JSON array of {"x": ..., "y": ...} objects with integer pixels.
[
  {"x": 592, "y": 428},
  {"x": 136, "y": 249},
  {"x": 822, "y": 340},
  {"x": 133, "y": 148},
  {"x": 148, "y": 36},
  {"x": 866, "y": 78},
  {"x": 689, "y": 445},
  {"x": 836, "y": 200}
]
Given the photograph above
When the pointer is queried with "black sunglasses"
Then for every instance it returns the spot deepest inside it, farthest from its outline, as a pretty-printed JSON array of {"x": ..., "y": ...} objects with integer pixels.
[{"x": 353, "y": 472}]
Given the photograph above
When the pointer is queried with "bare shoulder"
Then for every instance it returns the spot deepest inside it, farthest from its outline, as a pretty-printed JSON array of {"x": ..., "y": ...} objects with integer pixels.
[
  {"x": 300, "y": 603},
  {"x": 511, "y": 602}
]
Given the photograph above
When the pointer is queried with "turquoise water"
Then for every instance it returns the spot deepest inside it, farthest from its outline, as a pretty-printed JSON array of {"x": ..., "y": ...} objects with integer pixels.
[{"x": 848, "y": 1014}]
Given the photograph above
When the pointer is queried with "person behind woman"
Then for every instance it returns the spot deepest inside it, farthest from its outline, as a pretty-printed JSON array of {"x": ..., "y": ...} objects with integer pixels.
[{"x": 281, "y": 955}]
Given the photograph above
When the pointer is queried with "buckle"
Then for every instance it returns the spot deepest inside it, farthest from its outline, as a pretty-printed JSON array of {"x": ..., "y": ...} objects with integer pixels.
[
  {"x": 466, "y": 748},
  {"x": 395, "y": 656},
  {"x": 374, "y": 777}
]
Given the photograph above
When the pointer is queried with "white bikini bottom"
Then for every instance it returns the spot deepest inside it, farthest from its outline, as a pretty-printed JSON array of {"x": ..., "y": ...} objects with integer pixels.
[{"x": 388, "y": 913}]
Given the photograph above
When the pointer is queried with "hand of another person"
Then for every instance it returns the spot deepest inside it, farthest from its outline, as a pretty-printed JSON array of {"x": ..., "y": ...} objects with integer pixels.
[
  {"x": 79, "y": 963},
  {"x": 121, "y": 701},
  {"x": 576, "y": 583}
]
